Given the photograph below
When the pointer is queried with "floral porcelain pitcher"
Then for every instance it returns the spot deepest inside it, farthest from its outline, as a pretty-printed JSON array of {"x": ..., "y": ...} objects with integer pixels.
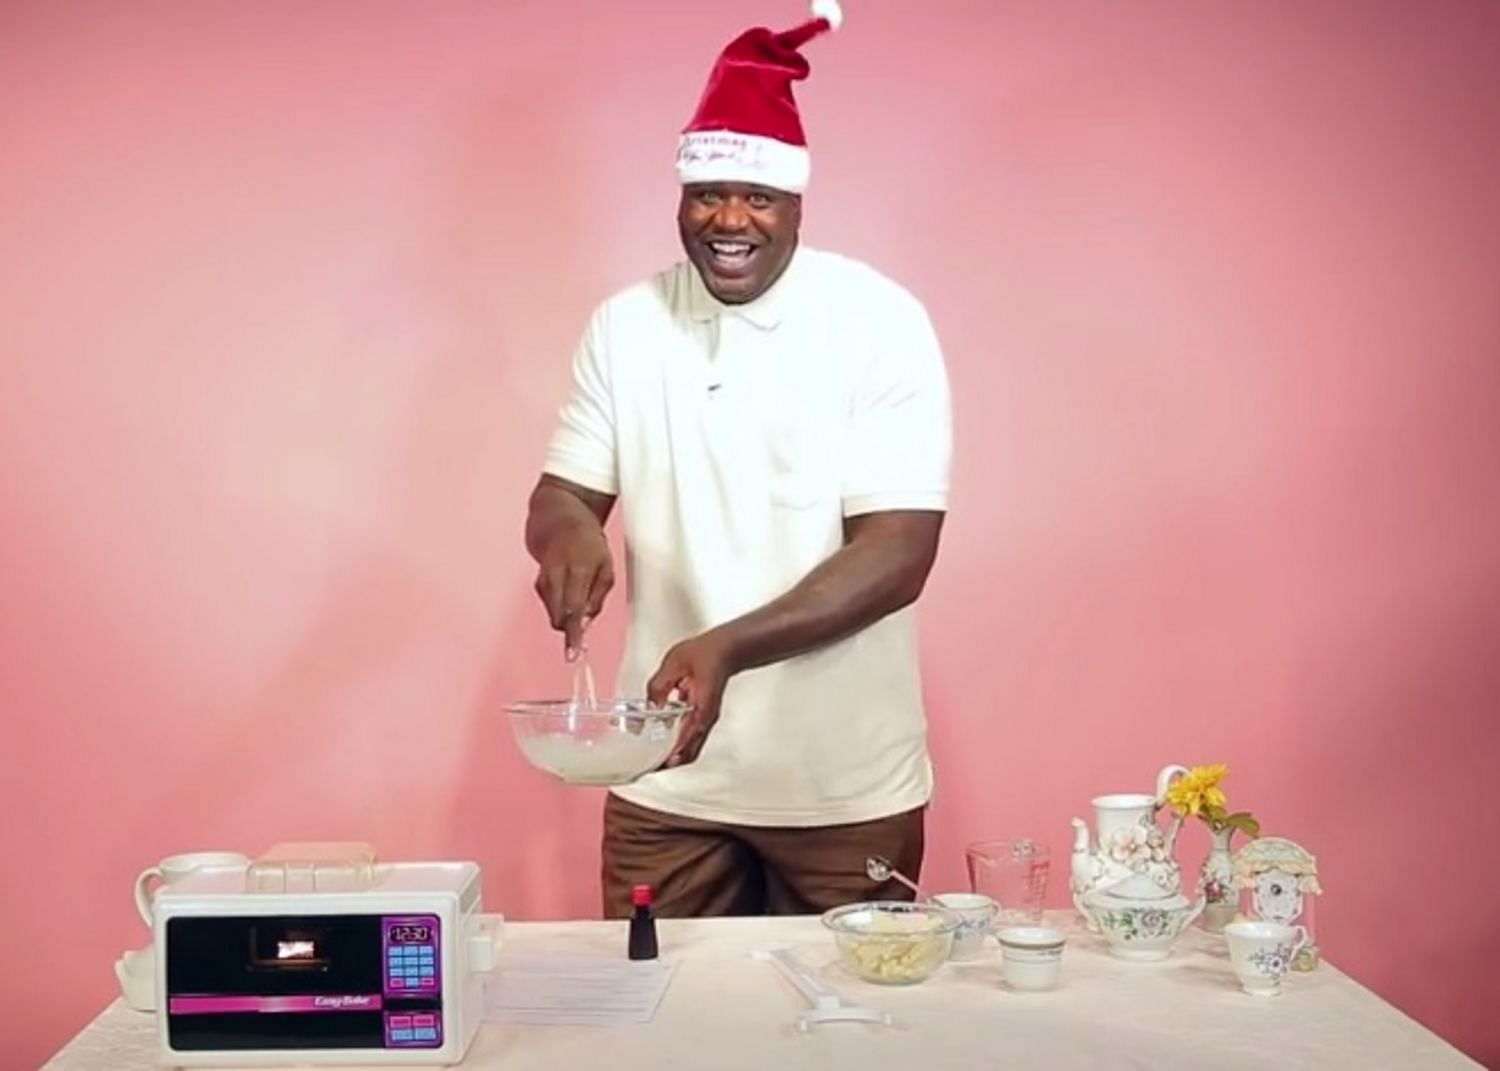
[{"x": 1130, "y": 855}]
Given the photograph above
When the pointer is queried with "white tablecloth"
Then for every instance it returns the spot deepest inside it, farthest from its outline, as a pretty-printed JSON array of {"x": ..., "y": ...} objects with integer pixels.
[{"x": 727, "y": 1011}]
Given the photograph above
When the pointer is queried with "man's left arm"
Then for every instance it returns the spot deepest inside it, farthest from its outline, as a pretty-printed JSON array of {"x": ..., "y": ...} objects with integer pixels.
[
  {"x": 894, "y": 490},
  {"x": 881, "y": 568}
]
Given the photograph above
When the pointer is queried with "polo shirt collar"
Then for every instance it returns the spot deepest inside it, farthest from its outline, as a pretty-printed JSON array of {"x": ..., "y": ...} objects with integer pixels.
[{"x": 765, "y": 312}]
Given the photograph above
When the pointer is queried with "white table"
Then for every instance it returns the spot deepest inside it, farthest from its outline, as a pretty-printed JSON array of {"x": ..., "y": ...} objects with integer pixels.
[{"x": 727, "y": 1011}]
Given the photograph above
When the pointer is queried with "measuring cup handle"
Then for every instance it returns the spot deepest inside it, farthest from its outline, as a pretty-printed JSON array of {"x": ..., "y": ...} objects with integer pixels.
[{"x": 143, "y": 891}]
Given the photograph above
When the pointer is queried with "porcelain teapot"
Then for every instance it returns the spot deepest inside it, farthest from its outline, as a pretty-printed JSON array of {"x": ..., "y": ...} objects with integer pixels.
[{"x": 1130, "y": 855}]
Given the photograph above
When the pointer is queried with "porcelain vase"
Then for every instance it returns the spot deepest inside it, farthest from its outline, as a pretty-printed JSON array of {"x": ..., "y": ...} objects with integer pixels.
[{"x": 1216, "y": 883}]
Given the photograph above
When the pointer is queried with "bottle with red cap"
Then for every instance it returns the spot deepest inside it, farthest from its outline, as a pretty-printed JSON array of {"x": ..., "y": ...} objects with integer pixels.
[{"x": 642, "y": 924}]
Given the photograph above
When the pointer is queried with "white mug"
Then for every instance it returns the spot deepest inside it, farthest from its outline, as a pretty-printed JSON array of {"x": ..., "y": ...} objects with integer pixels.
[
  {"x": 1261, "y": 952},
  {"x": 175, "y": 868}
]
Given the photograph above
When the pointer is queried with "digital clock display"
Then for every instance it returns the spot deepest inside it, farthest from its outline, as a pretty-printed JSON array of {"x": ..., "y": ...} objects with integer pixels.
[{"x": 411, "y": 935}]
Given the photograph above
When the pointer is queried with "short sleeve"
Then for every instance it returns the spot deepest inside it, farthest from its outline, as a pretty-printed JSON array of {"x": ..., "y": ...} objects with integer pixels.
[
  {"x": 900, "y": 446},
  {"x": 582, "y": 449}
]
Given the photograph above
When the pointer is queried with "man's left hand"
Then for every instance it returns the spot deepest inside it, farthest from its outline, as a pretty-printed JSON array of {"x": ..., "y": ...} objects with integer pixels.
[{"x": 697, "y": 669}]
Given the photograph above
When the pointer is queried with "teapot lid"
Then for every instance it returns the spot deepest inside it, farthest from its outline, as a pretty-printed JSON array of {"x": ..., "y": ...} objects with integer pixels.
[
  {"x": 1104, "y": 898},
  {"x": 1144, "y": 886}
]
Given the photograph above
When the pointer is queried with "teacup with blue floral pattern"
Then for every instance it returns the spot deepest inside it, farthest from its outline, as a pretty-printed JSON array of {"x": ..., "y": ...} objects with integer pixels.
[
  {"x": 977, "y": 914},
  {"x": 1261, "y": 952}
]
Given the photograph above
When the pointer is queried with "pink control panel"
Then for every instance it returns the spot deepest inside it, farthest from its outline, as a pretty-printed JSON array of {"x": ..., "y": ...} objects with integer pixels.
[{"x": 413, "y": 981}]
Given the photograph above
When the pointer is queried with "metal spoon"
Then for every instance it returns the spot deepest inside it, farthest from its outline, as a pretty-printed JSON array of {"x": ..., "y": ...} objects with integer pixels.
[{"x": 879, "y": 868}]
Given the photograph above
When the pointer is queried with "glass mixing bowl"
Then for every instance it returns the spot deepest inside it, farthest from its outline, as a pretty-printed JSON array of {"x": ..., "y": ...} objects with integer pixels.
[
  {"x": 608, "y": 742},
  {"x": 892, "y": 942}
]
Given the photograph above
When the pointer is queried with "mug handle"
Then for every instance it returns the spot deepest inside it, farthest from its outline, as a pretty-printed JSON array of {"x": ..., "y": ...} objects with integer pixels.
[{"x": 143, "y": 891}]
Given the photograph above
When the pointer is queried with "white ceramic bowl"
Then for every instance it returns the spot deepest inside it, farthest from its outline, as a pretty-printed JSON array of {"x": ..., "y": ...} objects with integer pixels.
[
  {"x": 892, "y": 942},
  {"x": 611, "y": 742},
  {"x": 1031, "y": 956}
]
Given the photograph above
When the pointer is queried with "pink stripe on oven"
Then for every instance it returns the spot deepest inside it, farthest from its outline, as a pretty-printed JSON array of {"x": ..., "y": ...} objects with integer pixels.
[{"x": 330, "y": 1002}]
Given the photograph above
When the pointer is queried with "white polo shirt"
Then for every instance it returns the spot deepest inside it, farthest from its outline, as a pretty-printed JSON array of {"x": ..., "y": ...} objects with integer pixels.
[{"x": 738, "y": 438}]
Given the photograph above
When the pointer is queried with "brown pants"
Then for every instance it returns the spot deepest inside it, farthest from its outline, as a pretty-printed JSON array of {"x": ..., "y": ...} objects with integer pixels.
[{"x": 698, "y": 868}]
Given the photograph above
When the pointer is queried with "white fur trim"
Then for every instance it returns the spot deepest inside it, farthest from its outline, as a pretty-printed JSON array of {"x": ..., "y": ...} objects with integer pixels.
[
  {"x": 724, "y": 156},
  {"x": 830, "y": 10}
]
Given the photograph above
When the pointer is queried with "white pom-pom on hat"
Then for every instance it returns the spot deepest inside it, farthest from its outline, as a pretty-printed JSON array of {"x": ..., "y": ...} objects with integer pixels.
[{"x": 830, "y": 10}]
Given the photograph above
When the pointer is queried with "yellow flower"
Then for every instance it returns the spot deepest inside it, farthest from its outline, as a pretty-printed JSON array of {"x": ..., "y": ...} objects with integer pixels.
[{"x": 1198, "y": 789}]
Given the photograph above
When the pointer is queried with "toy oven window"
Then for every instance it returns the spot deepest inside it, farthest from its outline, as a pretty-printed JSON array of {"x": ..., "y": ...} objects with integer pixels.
[{"x": 288, "y": 947}]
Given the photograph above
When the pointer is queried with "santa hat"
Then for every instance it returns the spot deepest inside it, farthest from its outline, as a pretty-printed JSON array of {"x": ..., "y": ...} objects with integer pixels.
[{"x": 746, "y": 128}]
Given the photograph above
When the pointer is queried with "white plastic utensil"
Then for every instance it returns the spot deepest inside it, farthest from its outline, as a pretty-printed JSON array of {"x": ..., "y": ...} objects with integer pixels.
[{"x": 827, "y": 1005}]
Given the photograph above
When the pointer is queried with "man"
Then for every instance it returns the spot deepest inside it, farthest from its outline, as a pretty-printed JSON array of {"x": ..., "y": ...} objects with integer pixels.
[{"x": 776, "y": 423}]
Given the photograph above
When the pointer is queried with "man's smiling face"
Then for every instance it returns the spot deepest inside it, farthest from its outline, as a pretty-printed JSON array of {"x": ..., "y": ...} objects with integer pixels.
[{"x": 739, "y": 236}]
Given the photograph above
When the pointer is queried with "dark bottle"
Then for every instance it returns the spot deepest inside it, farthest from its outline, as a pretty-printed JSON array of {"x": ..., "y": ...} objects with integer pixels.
[{"x": 642, "y": 924}]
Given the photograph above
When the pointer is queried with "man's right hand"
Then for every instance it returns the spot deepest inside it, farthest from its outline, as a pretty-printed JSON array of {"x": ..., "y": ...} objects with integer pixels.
[
  {"x": 576, "y": 574},
  {"x": 565, "y": 534}
]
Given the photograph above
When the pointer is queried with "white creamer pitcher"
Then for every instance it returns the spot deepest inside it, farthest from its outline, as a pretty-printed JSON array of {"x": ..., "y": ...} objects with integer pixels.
[{"x": 1130, "y": 855}]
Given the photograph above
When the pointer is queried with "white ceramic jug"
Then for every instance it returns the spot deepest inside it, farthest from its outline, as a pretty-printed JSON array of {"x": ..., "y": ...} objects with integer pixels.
[{"x": 1129, "y": 854}]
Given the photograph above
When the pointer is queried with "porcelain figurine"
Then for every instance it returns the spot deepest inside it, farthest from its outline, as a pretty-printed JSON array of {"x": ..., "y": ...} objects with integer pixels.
[{"x": 1279, "y": 876}]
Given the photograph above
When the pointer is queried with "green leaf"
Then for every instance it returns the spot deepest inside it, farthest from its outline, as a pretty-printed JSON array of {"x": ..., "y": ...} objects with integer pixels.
[
  {"x": 1215, "y": 812},
  {"x": 1245, "y": 823}
]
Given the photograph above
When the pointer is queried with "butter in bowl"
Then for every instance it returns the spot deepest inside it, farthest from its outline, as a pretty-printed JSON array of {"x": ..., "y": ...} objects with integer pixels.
[{"x": 892, "y": 942}]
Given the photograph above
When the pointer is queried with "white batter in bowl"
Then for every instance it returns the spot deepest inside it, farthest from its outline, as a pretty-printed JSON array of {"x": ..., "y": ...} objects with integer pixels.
[{"x": 607, "y": 742}]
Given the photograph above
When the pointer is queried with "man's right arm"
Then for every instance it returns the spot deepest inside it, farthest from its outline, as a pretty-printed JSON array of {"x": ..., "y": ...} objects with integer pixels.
[
  {"x": 570, "y": 503},
  {"x": 565, "y": 535}
]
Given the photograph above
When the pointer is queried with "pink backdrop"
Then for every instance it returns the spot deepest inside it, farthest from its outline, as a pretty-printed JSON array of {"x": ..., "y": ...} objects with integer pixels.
[{"x": 286, "y": 300}]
